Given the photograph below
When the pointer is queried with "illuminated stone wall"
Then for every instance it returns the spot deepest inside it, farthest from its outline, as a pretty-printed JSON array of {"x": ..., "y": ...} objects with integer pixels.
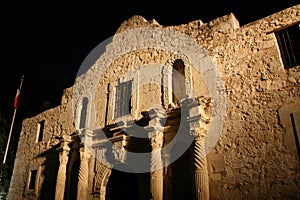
[{"x": 256, "y": 156}]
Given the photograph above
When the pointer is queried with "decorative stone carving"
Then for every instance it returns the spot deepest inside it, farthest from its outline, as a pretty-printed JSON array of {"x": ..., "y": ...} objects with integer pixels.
[
  {"x": 97, "y": 177},
  {"x": 156, "y": 136},
  {"x": 200, "y": 164},
  {"x": 157, "y": 140},
  {"x": 101, "y": 171},
  {"x": 199, "y": 116},
  {"x": 119, "y": 149}
]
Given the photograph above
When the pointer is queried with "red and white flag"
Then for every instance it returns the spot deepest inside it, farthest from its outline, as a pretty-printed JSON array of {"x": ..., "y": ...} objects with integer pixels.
[{"x": 17, "y": 99}]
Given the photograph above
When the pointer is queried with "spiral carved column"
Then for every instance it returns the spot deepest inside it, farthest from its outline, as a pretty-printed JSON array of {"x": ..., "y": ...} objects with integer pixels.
[
  {"x": 200, "y": 166},
  {"x": 61, "y": 175},
  {"x": 156, "y": 139},
  {"x": 198, "y": 112},
  {"x": 82, "y": 187}
]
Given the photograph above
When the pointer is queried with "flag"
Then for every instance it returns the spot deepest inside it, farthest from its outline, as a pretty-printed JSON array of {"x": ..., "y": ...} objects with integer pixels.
[
  {"x": 17, "y": 99},
  {"x": 16, "y": 103}
]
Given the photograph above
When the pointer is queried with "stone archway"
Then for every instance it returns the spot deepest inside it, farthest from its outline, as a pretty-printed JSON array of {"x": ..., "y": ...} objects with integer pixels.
[{"x": 121, "y": 185}]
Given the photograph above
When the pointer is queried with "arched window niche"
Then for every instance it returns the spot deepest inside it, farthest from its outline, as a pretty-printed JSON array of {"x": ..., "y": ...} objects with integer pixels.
[
  {"x": 83, "y": 115},
  {"x": 176, "y": 82}
]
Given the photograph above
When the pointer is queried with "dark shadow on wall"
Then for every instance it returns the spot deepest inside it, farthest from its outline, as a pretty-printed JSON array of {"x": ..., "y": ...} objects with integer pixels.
[
  {"x": 182, "y": 174},
  {"x": 49, "y": 173},
  {"x": 50, "y": 170},
  {"x": 72, "y": 172}
]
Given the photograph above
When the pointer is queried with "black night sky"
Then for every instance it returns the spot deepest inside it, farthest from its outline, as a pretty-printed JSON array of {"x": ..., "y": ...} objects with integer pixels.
[{"x": 48, "y": 42}]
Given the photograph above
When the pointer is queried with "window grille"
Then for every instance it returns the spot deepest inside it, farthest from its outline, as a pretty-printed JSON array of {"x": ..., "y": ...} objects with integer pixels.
[
  {"x": 289, "y": 44},
  {"x": 123, "y": 99}
]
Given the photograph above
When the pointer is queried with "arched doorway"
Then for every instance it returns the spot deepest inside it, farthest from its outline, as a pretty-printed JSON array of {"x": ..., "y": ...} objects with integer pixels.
[
  {"x": 121, "y": 185},
  {"x": 182, "y": 174}
]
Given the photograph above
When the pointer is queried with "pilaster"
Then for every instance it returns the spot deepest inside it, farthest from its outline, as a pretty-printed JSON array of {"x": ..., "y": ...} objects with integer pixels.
[
  {"x": 156, "y": 137},
  {"x": 197, "y": 111},
  {"x": 61, "y": 175},
  {"x": 82, "y": 187}
]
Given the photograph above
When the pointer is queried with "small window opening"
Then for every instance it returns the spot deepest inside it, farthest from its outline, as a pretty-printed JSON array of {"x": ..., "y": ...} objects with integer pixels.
[
  {"x": 40, "y": 133},
  {"x": 32, "y": 180},
  {"x": 83, "y": 113}
]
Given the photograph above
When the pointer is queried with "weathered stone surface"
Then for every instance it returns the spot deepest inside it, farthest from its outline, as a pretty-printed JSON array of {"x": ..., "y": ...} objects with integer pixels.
[{"x": 256, "y": 155}]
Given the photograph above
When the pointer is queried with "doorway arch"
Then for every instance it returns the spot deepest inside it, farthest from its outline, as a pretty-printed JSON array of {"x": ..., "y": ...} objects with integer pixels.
[{"x": 121, "y": 185}]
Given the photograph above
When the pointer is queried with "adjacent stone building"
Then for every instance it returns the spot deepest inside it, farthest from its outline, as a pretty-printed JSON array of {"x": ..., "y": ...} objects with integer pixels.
[{"x": 213, "y": 108}]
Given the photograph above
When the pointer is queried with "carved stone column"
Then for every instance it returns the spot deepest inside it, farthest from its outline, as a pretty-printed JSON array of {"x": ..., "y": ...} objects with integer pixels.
[
  {"x": 61, "y": 175},
  {"x": 198, "y": 113},
  {"x": 83, "y": 177},
  {"x": 200, "y": 164},
  {"x": 156, "y": 184},
  {"x": 156, "y": 136}
]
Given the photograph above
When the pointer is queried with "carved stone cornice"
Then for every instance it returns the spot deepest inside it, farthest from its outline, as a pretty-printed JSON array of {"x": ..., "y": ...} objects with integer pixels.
[{"x": 196, "y": 108}]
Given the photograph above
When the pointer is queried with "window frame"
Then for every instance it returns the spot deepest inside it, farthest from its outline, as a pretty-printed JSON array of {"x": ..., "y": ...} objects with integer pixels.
[
  {"x": 121, "y": 90},
  {"x": 40, "y": 131},
  {"x": 34, "y": 190},
  {"x": 289, "y": 45}
]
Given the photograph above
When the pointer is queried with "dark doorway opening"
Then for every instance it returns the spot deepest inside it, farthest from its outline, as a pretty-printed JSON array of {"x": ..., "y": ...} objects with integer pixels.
[
  {"x": 182, "y": 179},
  {"x": 121, "y": 185}
]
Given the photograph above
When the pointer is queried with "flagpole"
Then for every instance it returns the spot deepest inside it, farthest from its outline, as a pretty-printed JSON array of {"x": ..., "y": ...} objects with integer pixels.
[{"x": 12, "y": 124}]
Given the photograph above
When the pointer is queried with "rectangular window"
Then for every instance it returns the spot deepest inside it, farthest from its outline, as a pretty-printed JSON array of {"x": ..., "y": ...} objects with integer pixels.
[
  {"x": 40, "y": 131},
  {"x": 123, "y": 99},
  {"x": 32, "y": 179},
  {"x": 289, "y": 44}
]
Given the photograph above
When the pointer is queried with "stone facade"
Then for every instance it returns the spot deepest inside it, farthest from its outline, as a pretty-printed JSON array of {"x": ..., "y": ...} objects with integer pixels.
[{"x": 63, "y": 153}]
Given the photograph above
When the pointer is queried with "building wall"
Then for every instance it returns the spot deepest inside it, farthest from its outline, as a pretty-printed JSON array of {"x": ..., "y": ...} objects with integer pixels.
[
  {"x": 256, "y": 155},
  {"x": 41, "y": 155}
]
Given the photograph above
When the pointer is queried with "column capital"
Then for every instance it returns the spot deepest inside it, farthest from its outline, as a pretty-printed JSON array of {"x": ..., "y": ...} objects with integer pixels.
[
  {"x": 84, "y": 156},
  {"x": 156, "y": 139},
  {"x": 157, "y": 116},
  {"x": 199, "y": 134},
  {"x": 64, "y": 145}
]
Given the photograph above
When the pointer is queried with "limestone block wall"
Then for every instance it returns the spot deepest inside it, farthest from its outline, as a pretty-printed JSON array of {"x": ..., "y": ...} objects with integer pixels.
[
  {"x": 253, "y": 158},
  {"x": 145, "y": 95},
  {"x": 256, "y": 155},
  {"x": 40, "y": 154}
]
